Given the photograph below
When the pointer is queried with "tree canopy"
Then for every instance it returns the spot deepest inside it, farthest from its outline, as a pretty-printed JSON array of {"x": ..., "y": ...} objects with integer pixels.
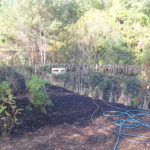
[{"x": 68, "y": 31}]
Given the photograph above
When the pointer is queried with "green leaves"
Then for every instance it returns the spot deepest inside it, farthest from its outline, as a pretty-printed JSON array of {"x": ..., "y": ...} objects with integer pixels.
[
  {"x": 8, "y": 109},
  {"x": 38, "y": 96},
  {"x": 114, "y": 31},
  {"x": 2, "y": 108}
]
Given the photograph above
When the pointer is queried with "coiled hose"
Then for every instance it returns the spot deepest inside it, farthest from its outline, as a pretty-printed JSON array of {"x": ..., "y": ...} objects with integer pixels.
[{"x": 130, "y": 119}]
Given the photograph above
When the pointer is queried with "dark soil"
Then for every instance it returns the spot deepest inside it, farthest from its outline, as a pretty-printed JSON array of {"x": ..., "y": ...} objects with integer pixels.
[{"x": 67, "y": 126}]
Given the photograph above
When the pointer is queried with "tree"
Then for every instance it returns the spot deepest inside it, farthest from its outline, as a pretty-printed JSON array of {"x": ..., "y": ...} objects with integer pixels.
[{"x": 56, "y": 31}]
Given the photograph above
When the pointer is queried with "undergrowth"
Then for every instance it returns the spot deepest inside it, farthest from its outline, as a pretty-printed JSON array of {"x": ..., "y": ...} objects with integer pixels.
[
  {"x": 8, "y": 109},
  {"x": 39, "y": 98}
]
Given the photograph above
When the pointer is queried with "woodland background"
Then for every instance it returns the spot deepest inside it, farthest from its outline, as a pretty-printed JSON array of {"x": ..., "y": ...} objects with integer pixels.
[{"x": 69, "y": 31}]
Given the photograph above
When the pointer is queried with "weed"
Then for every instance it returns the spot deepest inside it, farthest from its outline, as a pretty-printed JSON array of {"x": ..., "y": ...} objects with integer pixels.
[
  {"x": 8, "y": 109},
  {"x": 38, "y": 96}
]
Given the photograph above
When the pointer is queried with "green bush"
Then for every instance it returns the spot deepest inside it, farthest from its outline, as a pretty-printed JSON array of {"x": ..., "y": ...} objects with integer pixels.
[
  {"x": 38, "y": 95},
  {"x": 15, "y": 79},
  {"x": 8, "y": 109}
]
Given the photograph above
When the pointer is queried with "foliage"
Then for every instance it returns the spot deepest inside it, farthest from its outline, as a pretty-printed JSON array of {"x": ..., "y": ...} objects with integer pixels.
[
  {"x": 15, "y": 79},
  {"x": 95, "y": 82},
  {"x": 132, "y": 86},
  {"x": 8, "y": 109},
  {"x": 83, "y": 31},
  {"x": 38, "y": 96}
]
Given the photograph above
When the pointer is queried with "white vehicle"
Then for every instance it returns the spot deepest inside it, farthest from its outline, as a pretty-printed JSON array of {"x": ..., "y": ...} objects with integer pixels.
[{"x": 58, "y": 71}]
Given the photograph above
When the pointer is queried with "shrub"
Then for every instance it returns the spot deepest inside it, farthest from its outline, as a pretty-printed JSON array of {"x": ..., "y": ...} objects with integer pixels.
[
  {"x": 8, "y": 109},
  {"x": 38, "y": 95},
  {"x": 13, "y": 77}
]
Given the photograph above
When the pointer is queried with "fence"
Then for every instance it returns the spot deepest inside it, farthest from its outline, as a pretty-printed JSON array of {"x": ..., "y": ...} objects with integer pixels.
[{"x": 109, "y": 69}]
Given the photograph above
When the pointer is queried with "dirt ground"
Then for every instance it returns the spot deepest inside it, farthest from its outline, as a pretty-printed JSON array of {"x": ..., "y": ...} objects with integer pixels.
[{"x": 68, "y": 126}]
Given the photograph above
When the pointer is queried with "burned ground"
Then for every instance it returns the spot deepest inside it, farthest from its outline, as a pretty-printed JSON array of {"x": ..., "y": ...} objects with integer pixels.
[{"x": 68, "y": 126}]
